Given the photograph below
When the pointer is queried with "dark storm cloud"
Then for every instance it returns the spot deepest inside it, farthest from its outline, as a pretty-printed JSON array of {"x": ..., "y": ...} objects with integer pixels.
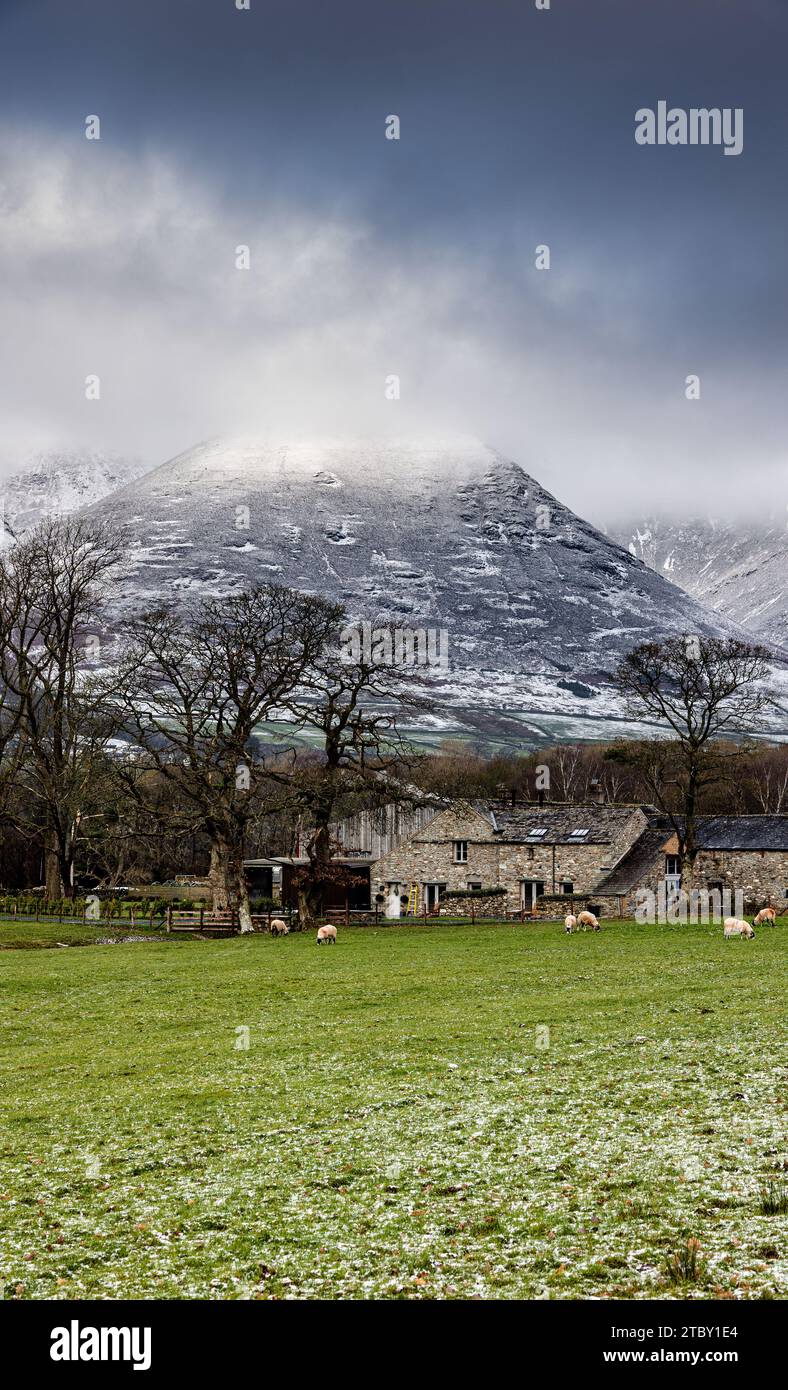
[{"x": 417, "y": 256}]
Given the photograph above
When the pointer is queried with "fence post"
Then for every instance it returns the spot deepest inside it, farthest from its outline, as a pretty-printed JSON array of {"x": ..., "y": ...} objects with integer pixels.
[
  {"x": 202, "y": 914},
  {"x": 38, "y": 908},
  {"x": 169, "y": 917},
  {"x": 473, "y": 915}
]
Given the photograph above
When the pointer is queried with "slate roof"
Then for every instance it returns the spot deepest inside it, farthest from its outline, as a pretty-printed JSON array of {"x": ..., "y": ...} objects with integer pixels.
[
  {"x": 636, "y": 863},
  {"x": 743, "y": 832},
  {"x": 513, "y": 823}
]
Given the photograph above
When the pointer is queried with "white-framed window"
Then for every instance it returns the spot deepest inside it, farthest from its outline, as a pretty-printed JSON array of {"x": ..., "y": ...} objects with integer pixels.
[
  {"x": 672, "y": 866},
  {"x": 578, "y": 834},
  {"x": 473, "y": 885},
  {"x": 461, "y": 851},
  {"x": 537, "y": 834}
]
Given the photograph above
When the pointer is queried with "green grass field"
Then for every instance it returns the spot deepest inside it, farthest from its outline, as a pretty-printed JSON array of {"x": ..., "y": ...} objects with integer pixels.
[{"x": 421, "y": 1112}]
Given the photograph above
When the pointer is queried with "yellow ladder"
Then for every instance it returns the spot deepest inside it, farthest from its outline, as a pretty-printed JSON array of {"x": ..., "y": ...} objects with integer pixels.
[{"x": 413, "y": 900}]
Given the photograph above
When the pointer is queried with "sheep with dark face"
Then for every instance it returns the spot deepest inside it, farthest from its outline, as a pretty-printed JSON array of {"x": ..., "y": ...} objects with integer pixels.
[
  {"x": 766, "y": 917},
  {"x": 327, "y": 935},
  {"x": 587, "y": 919},
  {"x": 735, "y": 926}
]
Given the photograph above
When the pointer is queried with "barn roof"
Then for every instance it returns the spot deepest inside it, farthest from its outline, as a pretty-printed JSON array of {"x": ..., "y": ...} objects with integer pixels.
[{"x": 743, "y": 832}]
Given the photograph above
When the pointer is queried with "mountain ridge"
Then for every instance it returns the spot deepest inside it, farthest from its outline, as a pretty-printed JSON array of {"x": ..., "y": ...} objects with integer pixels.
[
  {"x": 738, "y": 568},
  {"x": 301, "y": 511}
]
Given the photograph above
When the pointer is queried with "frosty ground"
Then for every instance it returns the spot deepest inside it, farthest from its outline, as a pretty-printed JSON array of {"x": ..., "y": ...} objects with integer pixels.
[{"x": 422, "y": 1112}]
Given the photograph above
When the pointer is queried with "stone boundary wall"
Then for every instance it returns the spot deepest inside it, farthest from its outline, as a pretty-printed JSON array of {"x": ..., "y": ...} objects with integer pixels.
[{"x": 555, "y": 907}]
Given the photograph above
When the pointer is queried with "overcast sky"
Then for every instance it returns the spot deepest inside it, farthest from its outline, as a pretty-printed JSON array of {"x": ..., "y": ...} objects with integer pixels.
[{"x": 372, "y": 257}]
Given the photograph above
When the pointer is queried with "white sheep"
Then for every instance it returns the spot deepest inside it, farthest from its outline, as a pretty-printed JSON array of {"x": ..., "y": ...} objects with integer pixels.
[
  {"x": 587, "y": 919},
  {"x": 327, "y": 935},
  {"x": 766, "y": 914},
  {"x": 570, "y": 922},
  {"x": 279, "y": 927},
  {"x": 734, "y": 926}
]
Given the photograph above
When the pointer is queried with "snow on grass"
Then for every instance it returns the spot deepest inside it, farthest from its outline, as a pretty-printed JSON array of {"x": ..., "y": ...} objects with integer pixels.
[{"x": 397, "y": 1127}]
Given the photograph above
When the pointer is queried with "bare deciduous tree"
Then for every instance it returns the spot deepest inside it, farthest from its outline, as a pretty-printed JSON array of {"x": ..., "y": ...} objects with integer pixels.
[
  {"x": 356, "y": 707},
  {"x": 706, "y": 691},
  {"x": 199, "y": 686},
  {"x": 57, "y": 711}
]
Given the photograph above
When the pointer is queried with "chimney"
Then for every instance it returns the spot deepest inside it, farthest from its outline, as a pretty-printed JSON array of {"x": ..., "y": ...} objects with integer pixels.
[{"x": 597, "y": 791}]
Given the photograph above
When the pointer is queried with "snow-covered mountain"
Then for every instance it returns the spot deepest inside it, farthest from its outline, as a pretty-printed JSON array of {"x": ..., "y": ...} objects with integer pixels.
[
  {"x": 739, "y": 569},
  {"x": 537, "y": 603},
  {"x": 54, "y": 483}
]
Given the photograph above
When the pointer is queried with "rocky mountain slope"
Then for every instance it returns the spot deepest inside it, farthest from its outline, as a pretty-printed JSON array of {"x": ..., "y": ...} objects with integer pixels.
[
  {"x": 538, "y": 605},
  {"x": 739, "y": 569},
  {"x": 54, "y": 483}
]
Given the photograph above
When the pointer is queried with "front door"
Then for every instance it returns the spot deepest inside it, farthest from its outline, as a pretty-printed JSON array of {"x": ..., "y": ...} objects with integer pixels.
[
  {"x": 432, "y": 895},
  {"x": 530, "y": 890}
]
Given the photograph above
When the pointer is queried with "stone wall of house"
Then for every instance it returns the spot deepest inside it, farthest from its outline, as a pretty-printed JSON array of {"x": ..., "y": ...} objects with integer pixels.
[
  {"x": 761, "y": 874},
  {"x": 428, "y": 856},
  {"x": 481, "y": 905}
]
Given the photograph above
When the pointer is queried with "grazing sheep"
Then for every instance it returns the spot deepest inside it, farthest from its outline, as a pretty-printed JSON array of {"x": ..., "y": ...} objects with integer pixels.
[
  {"x": 734, "y": 926},
  {"x": 570, "y": 922},
  {"x": 766, "y": 914},
  {"x": 327, "y": 935},
  {"x": 278, "y": 927},
  {"x": 587, "y": 919}
]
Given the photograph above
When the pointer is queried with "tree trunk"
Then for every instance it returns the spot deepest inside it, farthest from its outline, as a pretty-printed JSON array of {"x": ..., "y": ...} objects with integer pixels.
[
  {"x": 219, "y": 874},
  {"x": 690, "y": 845},
  {"x": 53, "y": 886},
  {"x": 67, "y": 851},
  {"x": 310, "y": 904},
  {"x": 244, "y": 907},
  {"x": 311, "y": 891}
]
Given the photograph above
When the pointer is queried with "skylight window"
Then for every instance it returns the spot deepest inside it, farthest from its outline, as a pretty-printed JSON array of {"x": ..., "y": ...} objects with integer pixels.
[
  {"x": 537, "y": 834},
  {"x": 578, "y": 834}
]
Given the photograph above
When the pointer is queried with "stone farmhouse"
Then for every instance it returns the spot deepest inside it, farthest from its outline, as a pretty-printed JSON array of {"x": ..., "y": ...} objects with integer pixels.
[
  {"x": 553, "y": 857},
  {"x": 533, "y": 853}
]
